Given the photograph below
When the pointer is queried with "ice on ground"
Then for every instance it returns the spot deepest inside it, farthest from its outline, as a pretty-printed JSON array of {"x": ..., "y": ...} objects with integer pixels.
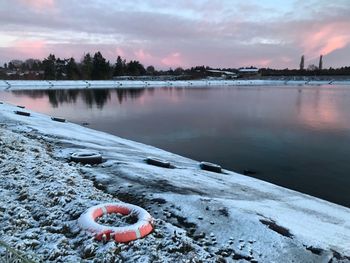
[{"x": 199, "y": 216}]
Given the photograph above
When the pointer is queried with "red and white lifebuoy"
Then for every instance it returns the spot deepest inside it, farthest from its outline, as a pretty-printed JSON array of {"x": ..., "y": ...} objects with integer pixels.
[{"x": 140, "y": 229}]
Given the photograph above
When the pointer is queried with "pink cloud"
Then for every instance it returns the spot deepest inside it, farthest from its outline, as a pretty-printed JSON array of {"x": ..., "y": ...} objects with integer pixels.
[
  {"x": 286, "y": 60},
  {"x": 146, "y": 58},
  {"x": 327, "y": 39},
  {"x": 263, "y": 62},
  {"x": 334, "y": 43},
  {"x": 142, "y": 55},
  {"x": 39, "y": 5},
  {"x": 120, "y": 52},
  {"x": 173, "y": 60},
  {"x": 31, "y": 48}
]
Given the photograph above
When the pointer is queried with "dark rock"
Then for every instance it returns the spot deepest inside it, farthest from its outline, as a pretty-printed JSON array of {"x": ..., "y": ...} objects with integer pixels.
[
  {"x": 314, "y": 250},
  {"x": 278, "y": 229}
]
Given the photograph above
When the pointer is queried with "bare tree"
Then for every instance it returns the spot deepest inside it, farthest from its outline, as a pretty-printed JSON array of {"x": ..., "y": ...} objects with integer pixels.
[{"x": 312, "y": 67}]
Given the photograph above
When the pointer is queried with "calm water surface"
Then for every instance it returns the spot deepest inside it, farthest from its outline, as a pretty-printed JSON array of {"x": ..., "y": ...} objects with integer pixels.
[{"x": 296, "y": 137}]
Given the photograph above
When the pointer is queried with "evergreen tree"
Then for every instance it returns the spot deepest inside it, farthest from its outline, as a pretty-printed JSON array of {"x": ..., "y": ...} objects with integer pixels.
[
  {"x": 150, "y": 70},
  {"x": 49, "y": 67},
  {"x": 100, "y": 68},
  {"x": 135, "y": 68},
  {"x": 72, "y": 70},
  {"x": 120, "y": 67},
  {"x": 320, "y": 64},
  {"x": 60, "y": 68},
  {"x": 302, "y": 63},
  {"x": 86, "y": 66},
  {"x": 179, "y": 71}
]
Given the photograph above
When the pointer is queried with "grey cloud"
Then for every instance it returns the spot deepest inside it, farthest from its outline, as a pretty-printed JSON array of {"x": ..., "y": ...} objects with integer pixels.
[{"x": 228, "y": 37}]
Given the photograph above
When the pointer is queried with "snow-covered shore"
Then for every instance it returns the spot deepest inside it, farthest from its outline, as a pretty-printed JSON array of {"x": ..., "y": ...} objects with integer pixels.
[
  {"x": 82, "y": 84},
  {"x": 199, "y": 216}
]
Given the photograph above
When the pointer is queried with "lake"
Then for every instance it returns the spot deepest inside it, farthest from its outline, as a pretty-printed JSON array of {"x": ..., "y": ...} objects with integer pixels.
[{"x": 296, "y": 137}]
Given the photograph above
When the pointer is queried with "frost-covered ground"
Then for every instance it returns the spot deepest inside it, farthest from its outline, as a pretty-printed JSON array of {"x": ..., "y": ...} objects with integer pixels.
[
  {"x": 199, "y": 216},
  {"x": 82, "y": 84}
]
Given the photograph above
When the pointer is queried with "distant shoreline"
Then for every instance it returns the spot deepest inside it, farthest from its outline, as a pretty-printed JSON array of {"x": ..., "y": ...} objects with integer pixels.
[{"x": 82, "y": 84}]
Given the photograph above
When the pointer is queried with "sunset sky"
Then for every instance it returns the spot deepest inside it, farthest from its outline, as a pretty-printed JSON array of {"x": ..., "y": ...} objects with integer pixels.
[{"x": 163, "y": 33}]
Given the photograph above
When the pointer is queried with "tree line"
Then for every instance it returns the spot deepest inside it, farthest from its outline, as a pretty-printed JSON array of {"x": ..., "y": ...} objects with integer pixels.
[
  {"x": 96, "y": 67},
  {"x": 343, "y": 71},
  {"x": 311, "y": 70},
  {"x": 91, "y": 67}
]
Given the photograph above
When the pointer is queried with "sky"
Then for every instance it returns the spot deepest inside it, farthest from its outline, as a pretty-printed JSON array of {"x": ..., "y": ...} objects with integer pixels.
[{"x": 180, "y": 33}]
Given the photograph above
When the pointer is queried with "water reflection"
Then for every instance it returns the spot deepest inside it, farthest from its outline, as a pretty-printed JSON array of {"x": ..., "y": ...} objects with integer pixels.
[
  {"x": 322, "y": 109},
  {"x": 90, "y": 97},
  {"x": 296, "y": 137}
]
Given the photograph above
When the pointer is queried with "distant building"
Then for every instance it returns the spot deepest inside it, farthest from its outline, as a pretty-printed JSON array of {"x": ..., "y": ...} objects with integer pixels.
[
  {"x": 221, "y": 74},
  {"x": 11, "y": 72},
  {"x": 23, "y": 73},
  {"x": 248, "y": 72}
]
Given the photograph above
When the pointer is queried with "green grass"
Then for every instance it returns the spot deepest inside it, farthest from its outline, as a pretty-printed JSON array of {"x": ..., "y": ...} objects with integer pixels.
[{"x": 12, "y": 255}]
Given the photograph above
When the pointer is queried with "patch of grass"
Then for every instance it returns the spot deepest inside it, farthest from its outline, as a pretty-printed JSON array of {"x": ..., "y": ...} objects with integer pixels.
[{"x": 15, "y": 255}]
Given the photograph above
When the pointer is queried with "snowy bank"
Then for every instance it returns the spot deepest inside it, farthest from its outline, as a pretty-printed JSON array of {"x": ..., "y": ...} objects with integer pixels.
[
  {"x": 200, "y": 216},
  {"x": 82, "y": 84}
]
